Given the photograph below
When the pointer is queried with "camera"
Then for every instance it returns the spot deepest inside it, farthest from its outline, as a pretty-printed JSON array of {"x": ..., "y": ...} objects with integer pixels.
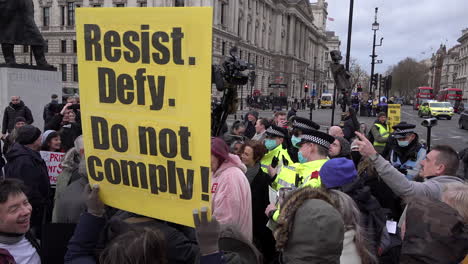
[
  {"x": 231, "y": 71},
  {"x": 430, "y": 122}
]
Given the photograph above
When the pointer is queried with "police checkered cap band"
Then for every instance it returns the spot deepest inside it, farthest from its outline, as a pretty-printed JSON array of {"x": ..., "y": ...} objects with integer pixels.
[
  {"x": 404, "y": 131},
  {"x": 302, "y": 125},
  {"x": 316, "y": 140},
  {"x": 272, "y": 131}
]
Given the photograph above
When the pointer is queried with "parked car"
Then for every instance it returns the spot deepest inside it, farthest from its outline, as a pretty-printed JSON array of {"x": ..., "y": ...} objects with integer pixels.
[
  {"x": 436, "y": 109},
  {"x": 463, "y": 121}
]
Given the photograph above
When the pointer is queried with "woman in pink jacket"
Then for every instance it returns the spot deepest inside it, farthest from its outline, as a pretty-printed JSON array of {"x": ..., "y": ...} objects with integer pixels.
[{"x": 230, "y": 189}]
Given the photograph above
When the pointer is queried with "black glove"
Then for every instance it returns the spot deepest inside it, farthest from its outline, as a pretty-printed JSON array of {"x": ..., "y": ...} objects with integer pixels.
[{"x": 274, "y": 162}]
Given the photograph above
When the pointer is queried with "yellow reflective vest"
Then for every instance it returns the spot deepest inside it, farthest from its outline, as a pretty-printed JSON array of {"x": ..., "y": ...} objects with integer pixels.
[
  {"x": 383, "y": 131},
  {"x": 308, "y": 172},
  {"x": 278, "y": 152}
]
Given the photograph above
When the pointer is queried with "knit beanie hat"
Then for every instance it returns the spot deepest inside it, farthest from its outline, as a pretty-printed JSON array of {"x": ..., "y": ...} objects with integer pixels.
[
  {"x": 27, "y": 134},
  {"x": 345, "y": 146},
  {"x": 46, "y": 134},
  {"x": 20, "y": 119},
  {"x": 220, "y": 149},
  {"x": 337, "y": 172}
]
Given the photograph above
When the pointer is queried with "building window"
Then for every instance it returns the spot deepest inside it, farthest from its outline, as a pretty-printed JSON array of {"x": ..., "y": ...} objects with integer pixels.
[
  {"x": 63, "y": 69},
  {"x": 46, "y": 16},
  {"x": 248, "y": 31},
  {"x": 179, "y": 3},
  {"x": 74, "y": 46},
  {"x": 240, "y": 54},
  {"x": 223, "y": 48},
  {"x": 223, "y": 13},
  {"x": 62, "y": 15},
  {"x": 143, "y": 4},
  {"x": 75, "y": 72},
  {"x": 25, "y": 48},
  {"x": 120, "y": 5},
  {"x": 70, "y": 14},
  {"x": 63, "y": 46},
  {"x": 97, "y": 5},
  {"x": 46, "y": 46},
  {"x": 248, "y": 57},
  {"x": 239, "y": 27}
]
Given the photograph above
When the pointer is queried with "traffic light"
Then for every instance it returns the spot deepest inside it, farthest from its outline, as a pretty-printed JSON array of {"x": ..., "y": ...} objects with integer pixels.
[
  {"x": 374, "y": 79},
  {"x": 388, "y": 82},
  {"x": 306, "y": 88},
  {"x": 382, "y": 82}
]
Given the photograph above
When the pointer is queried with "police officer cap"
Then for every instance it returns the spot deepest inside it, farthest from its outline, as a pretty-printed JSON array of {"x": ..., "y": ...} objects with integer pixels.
[
  {"x": 276, "y": 131},
  {"x": 304, "y": 123},
  {"x": 317, "y": 137},
  {"x": 402, "y": 129}
]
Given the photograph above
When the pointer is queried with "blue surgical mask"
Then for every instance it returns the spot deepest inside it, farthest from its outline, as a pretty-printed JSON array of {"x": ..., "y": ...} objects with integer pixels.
[
  {"x": 403, "y": 143},
  {"x": 295, "y": 140},
  {"x": 301, "y": 158},
  {"x": 270, "y": 144}
]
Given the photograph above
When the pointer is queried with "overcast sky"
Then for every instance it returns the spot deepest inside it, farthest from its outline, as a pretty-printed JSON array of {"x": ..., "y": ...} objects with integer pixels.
[{"x": 410, "y": 28}]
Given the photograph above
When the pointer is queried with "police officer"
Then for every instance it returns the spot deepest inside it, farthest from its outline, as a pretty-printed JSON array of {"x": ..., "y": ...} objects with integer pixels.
[
  {"x": 298, "y": 125},
  {"x": 277, "y": 154},
  {"x": 407, "y": 154},
  {"x": 380, "y": 132},
  {"x": 313, "y": 151}
]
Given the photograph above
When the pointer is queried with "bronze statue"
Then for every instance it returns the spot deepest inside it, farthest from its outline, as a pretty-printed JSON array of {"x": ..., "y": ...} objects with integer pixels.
[
  {"x": 17, "y": 27},
  {"x": 341, "y": 77}
]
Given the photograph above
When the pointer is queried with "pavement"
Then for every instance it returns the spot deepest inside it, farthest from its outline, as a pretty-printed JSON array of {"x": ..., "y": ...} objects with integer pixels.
[{"x": 446, "y": 132}]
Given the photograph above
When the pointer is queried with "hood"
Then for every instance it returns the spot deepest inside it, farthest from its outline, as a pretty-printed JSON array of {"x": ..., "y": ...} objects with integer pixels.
[
  {"x": 71, "y": 160},
  {"x": 434, "y": 233},
  {"x": 317, "y": 234},
  {"x": 231, "y": 240},
  {"x": 18, "y": 150},
  {"x": 16, "y": 106},
  {"x": 233, "y": 161}
]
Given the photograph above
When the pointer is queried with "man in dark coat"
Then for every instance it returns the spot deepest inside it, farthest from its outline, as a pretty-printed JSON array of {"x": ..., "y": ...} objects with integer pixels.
[
  {"x": 17, "y": 27},
  {"x": 15, "y": 109},
  {"x": 25, "y": 163}
]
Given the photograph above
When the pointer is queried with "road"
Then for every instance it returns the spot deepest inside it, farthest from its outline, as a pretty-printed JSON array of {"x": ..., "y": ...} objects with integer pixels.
[{"x": 446, "y": 132}]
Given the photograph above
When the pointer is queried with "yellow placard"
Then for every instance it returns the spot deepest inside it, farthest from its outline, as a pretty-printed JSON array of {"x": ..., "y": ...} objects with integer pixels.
[
  {"x": 394, "y": 115},
  {"x": 145, "y": 87}
]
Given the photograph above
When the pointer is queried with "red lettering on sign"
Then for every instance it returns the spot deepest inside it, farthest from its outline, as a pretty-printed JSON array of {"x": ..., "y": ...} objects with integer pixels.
[{"x": 214, "y": 187}]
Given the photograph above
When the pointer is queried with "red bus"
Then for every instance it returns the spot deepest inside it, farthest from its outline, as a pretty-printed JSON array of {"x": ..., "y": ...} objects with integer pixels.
[
  {"x": 423, "y": 93},
  {"x": 452, "y": 95}
]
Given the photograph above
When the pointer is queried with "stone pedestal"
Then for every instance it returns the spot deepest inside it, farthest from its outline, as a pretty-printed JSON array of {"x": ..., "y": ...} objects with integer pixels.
[{"x": 33, "y": 85}]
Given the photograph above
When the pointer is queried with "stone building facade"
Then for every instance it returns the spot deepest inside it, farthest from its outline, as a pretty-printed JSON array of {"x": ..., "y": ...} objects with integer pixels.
[
  {"x": 461, "y": 76},
  {"x": 285, "y": 39},
  {"x": 449, "y": 67}
]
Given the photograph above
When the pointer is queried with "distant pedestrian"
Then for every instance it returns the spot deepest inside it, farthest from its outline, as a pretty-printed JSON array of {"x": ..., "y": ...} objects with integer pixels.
[
  {"x": 250, "y": 121},
  {"x": 15, "y": 109},
  {"x": 48, "y": 112}
]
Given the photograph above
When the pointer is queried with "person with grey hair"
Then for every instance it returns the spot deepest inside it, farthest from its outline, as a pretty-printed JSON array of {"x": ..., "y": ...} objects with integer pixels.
[{"x": 68, "y": 204}]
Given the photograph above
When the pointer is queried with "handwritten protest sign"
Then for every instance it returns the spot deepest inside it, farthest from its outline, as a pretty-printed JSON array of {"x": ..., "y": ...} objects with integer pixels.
[
  {"x": 145, "y": 87},
  {"x": 394, "y": 115},
  {"x": 53, "y": 162}
]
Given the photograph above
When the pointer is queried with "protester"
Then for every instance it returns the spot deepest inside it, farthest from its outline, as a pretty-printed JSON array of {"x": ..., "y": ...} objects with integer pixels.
[
  {"x": 292, "y": 112},
  {"x": 260, "y": 127},
  {"x": 298, "y": 125},
  {"x": 340, "y": 148},
  {"x": 25, "y": 163},
  {"x": 235, "y": 147},
  {"x": 408, "y": 154},
  {"x": 310, "y": 229},
  {"x": 134, "y": 246},
  {"x": 356, "y": 248},
  {"x": 235, "y": 134},
  {"x": 17, "y": 243},
  {"x": 10, "y": 138},
  {"x": 68, "y": 204},
  {"x": 277, "y": 154},
  {"x": 351, "y": 124},
  {"x": 438, "y": 168},
  {"x": 252, "y": 152},
  {"x": 51, "y": 141},
  {"x": 48, "y": 113},
  {"x": 464, "y": 160},
  {"x": 231, "y": 196},
  {"x": 380, "y": 132},
  {"x": 67, "y": 125},
  {"x": 15, "y": 109},
  {"x": 336, "y": 131},
  {"x": 250, "y": 122},
  {"x": 434, "y": 232},
  {"x": 280, "y": 119}
]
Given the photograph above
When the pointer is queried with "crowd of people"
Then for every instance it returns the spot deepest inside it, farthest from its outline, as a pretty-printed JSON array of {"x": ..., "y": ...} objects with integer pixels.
[{"x": 283, "y": 191}]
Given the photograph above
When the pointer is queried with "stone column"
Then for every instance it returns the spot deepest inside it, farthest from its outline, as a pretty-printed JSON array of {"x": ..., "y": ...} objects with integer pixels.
[{"x": 291, "y": 34}]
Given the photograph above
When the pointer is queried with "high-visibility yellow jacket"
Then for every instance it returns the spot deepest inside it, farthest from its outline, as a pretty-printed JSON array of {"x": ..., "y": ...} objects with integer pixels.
[
  {"x": 280, "y": 153},
  {"x": 384, "y": 132}
]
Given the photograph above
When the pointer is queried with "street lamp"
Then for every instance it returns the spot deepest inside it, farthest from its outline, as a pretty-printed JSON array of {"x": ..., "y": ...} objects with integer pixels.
[
  {"x": 375, "y": 27},
  {"x": 313, "y": 89}
]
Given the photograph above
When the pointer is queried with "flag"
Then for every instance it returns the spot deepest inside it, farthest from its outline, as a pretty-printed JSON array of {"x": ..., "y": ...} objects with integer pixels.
[{"x": 331, "y": 19}]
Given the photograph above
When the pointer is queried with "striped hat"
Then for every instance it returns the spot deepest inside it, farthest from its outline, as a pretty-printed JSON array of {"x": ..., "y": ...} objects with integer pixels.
[
  {"x": 304, "y": 123},
  {"x": 276, "y": 131},
  {"x": 317, "y": 137},
  {"x": 402, "y": 129}
]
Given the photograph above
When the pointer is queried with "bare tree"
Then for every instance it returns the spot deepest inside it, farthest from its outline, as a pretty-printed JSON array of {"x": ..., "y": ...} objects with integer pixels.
[
  {"x": 358, "y": 75},
  {"x": 408, "y": 74}
]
